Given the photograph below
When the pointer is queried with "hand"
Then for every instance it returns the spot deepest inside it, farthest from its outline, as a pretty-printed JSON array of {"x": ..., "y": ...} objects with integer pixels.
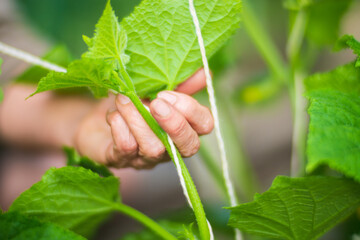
[{"x": 129, "y": 141}]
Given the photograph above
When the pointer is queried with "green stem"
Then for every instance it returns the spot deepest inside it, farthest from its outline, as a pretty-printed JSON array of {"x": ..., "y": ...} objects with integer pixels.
[
  {"x": 190, "y": 186},
  {"x": 162, "y": 135},
  {"x": 263, "y": 42},
  {"x": 296, "y": 37},
  {"x": 145, "y": 220},
  {"x": 212, "y": 167}
]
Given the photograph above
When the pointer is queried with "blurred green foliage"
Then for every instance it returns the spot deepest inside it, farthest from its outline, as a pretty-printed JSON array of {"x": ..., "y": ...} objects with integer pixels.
[{"x": 65, "y": 21}]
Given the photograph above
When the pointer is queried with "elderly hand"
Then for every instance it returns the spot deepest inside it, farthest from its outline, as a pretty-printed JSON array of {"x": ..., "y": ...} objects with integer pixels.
[{"x": 125, "y": 139}]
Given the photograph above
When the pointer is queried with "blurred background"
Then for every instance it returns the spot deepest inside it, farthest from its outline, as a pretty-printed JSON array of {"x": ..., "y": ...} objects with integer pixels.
[{"x": 255, "y": 105}]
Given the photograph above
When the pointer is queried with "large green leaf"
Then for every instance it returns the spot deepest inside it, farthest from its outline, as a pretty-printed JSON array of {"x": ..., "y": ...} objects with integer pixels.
[
  {"x": 74, "y": 198},
  {"x": 18, "y": 227},
  {"x": 334, "y": 130},
  {"x": 162, "y": 43},
  {"x": 298, "y": 208}
]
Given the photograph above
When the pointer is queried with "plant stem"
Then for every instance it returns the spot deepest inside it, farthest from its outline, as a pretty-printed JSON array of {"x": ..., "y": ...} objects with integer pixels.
[
  {"x": 298, "y": 156},
  {"x": 185, "y": 178},
  {"x": 212, "y": 167},
  {"x": 296, "y": 37},
  {"x": 145, "y": 220},
  {"x": 263, "y": 42},
  {"x": 190, "y": 186}
]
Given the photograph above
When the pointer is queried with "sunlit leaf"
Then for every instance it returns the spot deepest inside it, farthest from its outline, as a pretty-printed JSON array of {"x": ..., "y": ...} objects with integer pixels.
[{"x": 162, "y": 43}]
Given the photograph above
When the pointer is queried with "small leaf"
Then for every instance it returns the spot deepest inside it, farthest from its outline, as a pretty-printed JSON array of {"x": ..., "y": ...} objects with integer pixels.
[
  {"x": 86, "y": 72},
  {"x": 110, "y": 39},
  {"x": 72, "y": 197},
  {"x": 298, "y": 208},
  {"x": 18, "y": 227},
  {"x": 334, "y": 130},
  {"x": 74, "y": 159},
  {"x": 349, "y": 41},
  {"x": 162, "y": 43}
]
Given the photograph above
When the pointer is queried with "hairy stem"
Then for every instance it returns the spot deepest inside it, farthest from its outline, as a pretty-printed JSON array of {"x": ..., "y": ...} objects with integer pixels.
[
  {"x": 193, "y": 195},
  {"x": 263, "y": 42},
  {"x": 185, "y": 178},
  {"x": 145, "y": 220}
]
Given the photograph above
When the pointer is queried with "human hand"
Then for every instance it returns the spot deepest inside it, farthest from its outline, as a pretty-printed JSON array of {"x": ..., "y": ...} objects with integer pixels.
[{"x": 127, "y": 140}]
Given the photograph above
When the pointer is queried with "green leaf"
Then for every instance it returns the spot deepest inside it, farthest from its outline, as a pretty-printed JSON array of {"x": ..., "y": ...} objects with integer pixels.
[
  {"x": 349, "y": 41},
  {"x": 59, "y": 55},
  {"x": 324, "y": 21},
  {"x": 92, "y": 73},
  {"x": 162, "y": 43},
  {"x": 298, "y": 208},
  {"x": 110, "y": 39},
  {"x": 334, "y": 130},
  {"x": 72, "y": 197},
  {"x": 74, "y": 159},
  {"x": 18, "y": 227}
]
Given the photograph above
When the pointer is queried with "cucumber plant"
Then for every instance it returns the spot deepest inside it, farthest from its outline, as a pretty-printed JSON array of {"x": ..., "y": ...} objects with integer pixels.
[{"x": 156, "y": 48}]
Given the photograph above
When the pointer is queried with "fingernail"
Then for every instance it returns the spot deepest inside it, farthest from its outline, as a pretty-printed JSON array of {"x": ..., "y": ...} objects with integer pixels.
[
  {"x": 161, "y": 108},
  {"x": 123, "y": 99},
  {"x": 171, "y": 98}
]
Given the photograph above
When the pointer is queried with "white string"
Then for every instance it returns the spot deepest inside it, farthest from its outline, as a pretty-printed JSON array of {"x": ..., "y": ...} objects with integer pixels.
[
  {"x": 210, "y": 88},
  {"x": 27, "y": 57}
]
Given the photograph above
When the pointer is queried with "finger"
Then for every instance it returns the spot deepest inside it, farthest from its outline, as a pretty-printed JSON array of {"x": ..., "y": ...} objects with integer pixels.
[
  {"x": 116, "y": 159},
  {"x": 139, "y": 163},
  {"x": 199, "y": 117},
  {"x": 175, "y": 124},
  {"x": 150, "y": 147},
  {"x": 124, "y": 141},
  {"x": 194, "y": 84}
]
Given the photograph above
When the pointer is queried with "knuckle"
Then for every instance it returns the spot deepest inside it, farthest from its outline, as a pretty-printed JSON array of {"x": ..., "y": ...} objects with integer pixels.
[
  {"x": 129, "y": 147},
  {"x": 179, "y": 128},
  {"x": 155, "y": 152},
  {"x": 192, "y": 147}
]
